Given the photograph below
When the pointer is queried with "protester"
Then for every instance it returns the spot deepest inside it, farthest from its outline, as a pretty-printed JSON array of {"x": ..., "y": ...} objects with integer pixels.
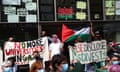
[
  {"x": 36, "y": 64},
  {"x": 36, "y": 56},
  {"x": 44, "y": 35},
  {"x": 1, "y": 58},
  {"x": 46, "y": 40},
  {"x": 11, "y": 39},
  {"x": 71, "y": 67},
  {"x": 115, "y": 59},
  {"x": 13, "y": 62},
  {"x": 55, "y": 47},
  {"x": 95, "y": 35},
  {"x": 7, "y": 67},
  {"x": 59, "y": 63},
  {"x": 104, "y": 65},
  {"x": 115, "y": 64},
  {"x": 48, "y": 66},
  {"x": 114, "y": 68}
]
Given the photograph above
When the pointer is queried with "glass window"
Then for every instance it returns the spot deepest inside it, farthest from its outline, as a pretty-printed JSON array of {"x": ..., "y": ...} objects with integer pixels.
[
  {"x": 13, "y": 10},
  {"x": 112, "y": 9},
  {"x": 96, "y": 9},
  {"x": 46, "y": 10},
  {"x": 68, "y": 10},
  {"x": 112, "y": 31}
]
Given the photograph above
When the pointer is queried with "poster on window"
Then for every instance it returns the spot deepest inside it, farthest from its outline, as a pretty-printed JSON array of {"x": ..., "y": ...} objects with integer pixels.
[
  {"x": 81, "y": 5},
  {"x": 9, "y": 10},
  {"x": 118, "y": 11},
  {"x": 11, "y": 2},
  {"x": 109, "y": 3},
  {"x": 26, "y": 1},
  {"x": 31, "y": 18},
  {"x": 117, "y": 4},
  {"x": 22, "y": 12},
  {"x": 31, "y": 6},
  {"x": 110, "y": 11},
  {"x": 81, "y": 15},
  {"x": 13, "y": 18}
]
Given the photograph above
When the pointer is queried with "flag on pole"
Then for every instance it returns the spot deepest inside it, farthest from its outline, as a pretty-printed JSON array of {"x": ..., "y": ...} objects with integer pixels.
[{"x": 70, "y": 34}]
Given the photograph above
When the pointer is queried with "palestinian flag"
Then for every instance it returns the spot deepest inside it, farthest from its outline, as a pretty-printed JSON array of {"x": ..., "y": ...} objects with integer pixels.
[{"x": 70, "y": 34}]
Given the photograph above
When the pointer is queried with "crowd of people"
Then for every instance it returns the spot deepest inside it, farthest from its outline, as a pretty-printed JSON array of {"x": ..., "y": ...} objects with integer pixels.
[{"x": 59, "y": 62}]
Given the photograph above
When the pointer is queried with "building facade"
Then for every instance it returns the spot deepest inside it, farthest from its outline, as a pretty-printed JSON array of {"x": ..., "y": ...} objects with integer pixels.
[{"x": 24, "y": 19}]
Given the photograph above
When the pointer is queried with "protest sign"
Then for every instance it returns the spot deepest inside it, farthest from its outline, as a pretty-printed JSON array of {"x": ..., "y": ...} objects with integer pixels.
[
  {"x": 88, "y": 52},
  {"x": 23, "y": 50}
]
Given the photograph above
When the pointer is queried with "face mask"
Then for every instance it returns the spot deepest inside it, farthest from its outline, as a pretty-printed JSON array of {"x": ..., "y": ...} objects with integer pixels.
[
  {"x": 65, "y": 68},
  {"x": 102, "y": 63},
  {"x": 7, "y": 69},
  {"x": 41, "y": 70},
  {"x": 115, "y": 62}
]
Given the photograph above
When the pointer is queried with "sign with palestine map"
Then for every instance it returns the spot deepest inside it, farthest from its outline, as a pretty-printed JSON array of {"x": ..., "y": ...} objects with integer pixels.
[{"x": 88, "y": 52}]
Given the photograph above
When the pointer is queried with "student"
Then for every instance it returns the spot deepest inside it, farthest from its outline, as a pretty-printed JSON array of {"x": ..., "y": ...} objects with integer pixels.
[
  {"x": 59, "y": 63},
  {"x": 55, "y": 47},
  {"x": 36, "y": 56},
  {"x": 14, "y": 66},
  {"x": 36, "y": 65}
]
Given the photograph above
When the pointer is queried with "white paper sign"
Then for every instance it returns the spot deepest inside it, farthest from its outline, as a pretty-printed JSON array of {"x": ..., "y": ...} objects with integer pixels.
[
  {"x": 117, "y": 4},
  {"x": 10, "y": 10},
  {"x": 31, "y": 6},
  {"x": 81, "y": 5},
  {"x": 81, "y": 15},
  {"x": 117, "y": 11},
  {"x": 13, "y": 18},
  {"x": 11, "y": 2},
  {"x": 22, "y": 12},
  {"x": 25, "y": 1},
  {"x": 31, "y": 18}
]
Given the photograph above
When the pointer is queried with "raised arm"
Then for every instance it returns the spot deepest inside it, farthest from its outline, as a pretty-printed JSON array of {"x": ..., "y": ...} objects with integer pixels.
[{"x": 91, "y": 29}]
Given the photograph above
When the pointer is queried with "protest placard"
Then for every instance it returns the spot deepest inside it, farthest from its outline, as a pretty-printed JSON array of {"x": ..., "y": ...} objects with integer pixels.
[
  {"x": 88, "y": 52},
  {"x": 23, "y": 50}
]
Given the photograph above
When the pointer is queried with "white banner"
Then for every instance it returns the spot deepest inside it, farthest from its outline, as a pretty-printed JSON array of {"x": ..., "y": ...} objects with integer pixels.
[
  {"x": 23, "y": 50},
  {"x": 88, "y": 52}
]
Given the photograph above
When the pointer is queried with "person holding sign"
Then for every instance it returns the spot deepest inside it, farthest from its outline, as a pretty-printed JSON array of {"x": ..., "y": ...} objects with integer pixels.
[{"x": 96, "y": 35}]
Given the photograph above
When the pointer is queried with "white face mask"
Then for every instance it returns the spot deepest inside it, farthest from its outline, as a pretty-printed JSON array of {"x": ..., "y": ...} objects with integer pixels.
[{"x": 41, "y": 70}]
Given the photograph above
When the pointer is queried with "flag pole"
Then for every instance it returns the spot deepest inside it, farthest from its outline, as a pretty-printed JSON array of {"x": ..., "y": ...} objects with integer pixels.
[
  {"x": 55, "y": 13},
  {"x": 38, "y": 19}
]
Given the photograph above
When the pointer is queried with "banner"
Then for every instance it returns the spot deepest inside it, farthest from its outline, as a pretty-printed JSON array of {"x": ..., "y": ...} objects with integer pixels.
[
  {"x": 23, "y": 50},
  {"x": 88, "y": 52}
]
